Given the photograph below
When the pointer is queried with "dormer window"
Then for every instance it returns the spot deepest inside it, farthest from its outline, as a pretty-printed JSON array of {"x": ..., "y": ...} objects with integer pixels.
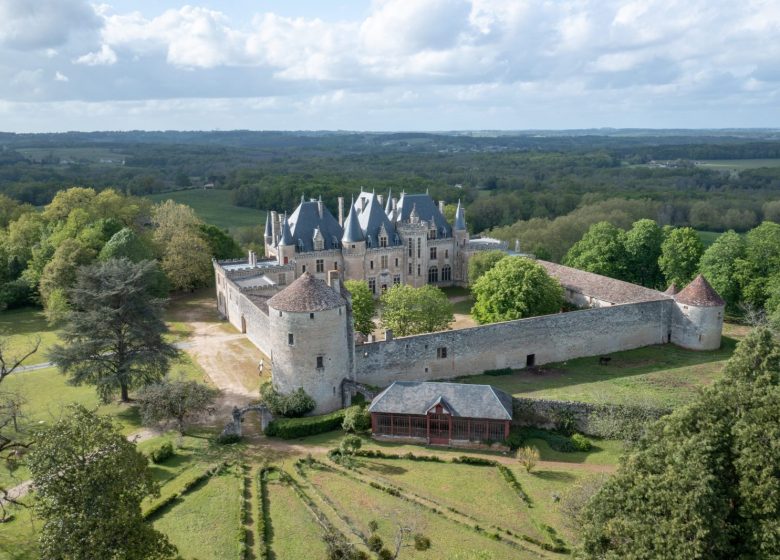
[{"x": 383, "y": 241}]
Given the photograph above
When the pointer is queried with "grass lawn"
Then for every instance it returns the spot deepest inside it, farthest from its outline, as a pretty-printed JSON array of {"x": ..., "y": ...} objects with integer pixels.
[
  {"x": 660, "y": 376},
  {"x": 362, "y": 503},
  {"x": 479, "y": 492},
  {"x": 738, "y": 164},
  {"x": 456, "y": 291},
  {"x": 19, "y": 538},
  {"x": 604, "y": 452},
  {"x": 708, "y": 237},
  {"x": 214, "y": 207},
  {"x": 463, "y": 307},
  {"x": 205, "y": 524},
  {"x": 292, "y": 530},
  {"x": 21, "y": 326}
]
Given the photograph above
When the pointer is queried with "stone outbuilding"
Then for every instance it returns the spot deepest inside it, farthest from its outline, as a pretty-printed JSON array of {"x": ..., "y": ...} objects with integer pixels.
[
  {"x": 697, "y": 321},
  {"x": 456, "y": 414}
]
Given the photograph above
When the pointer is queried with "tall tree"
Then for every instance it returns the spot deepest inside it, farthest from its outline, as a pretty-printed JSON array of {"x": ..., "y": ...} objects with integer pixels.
[
  {"x": 601, "y": 250},
  {"x": 221, "y": 244},
  {"x": 703, "y": 482},
  {"x": 363, "y": 306},
  {"x": 407, "y": 310},
  {"x": 481, "y": 262},
  {"x": 186, "y": 258},
  {"x": 762, "y": 261},
  {"x": 175, "y": 400},
  {"x": 722, "y": 264},
  {"x": 113, "y": 332},
  {"x": 89, "y": 483},
  {"x": 643, "y": 248},
  {"x": 516, "y": 287},
  {"x": 681, "y": 252}
]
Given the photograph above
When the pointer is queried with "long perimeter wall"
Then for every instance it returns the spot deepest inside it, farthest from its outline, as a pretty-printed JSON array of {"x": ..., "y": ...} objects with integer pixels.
[{"x": 537, "y": 340}]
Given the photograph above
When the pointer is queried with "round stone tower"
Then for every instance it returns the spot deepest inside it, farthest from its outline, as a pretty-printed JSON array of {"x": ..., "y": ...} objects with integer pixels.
[
  {"x": 310, "y": 339},
  {"x": 697, "y": 319}
]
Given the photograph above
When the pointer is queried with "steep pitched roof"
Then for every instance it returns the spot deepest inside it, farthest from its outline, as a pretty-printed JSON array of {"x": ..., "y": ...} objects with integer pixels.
[
  {"x": 306, "y": 219},
  {"x": 462, "y": 399},
  {"x": 426, "y": 209},
  {"x": 352, "y": 231},
  {"x": 287, "y": 237},
  {"x": 699, "y": 293},
  {"x": 672, "y": 289},
  {"x": 305, "y": 295},
  {"x": 372, "y": 219},
  {"x": 267, "y": 232},
  {"x": 460, "y": 218}
]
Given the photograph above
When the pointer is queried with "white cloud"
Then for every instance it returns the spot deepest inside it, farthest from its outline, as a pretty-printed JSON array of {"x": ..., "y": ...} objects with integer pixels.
[
  {"x": 60, "y": 77},
  {"x": 104, "y": 57},
  {"x": 40, "y": 24}
]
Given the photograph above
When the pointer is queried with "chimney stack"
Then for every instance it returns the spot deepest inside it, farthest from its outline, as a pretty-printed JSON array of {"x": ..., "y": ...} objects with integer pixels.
[
  {"x": 381, "y": 199},
  {"x": 334, "y": 281},
  {"x": 341, "y": 211},
  {"x": 441, "y": 207},
  {"x": 274, "y": 227}
]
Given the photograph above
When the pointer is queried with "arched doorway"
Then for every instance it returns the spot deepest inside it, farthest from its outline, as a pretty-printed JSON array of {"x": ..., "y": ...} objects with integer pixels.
[{"x": 243, "y": 324}]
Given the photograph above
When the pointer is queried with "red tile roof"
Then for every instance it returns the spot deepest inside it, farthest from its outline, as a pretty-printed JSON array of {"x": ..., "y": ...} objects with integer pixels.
[
  {"x": 699, "y": 293},
  {"x": 306, "y": 294}
]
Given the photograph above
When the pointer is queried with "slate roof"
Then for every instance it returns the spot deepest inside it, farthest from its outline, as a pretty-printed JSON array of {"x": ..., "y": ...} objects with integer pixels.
[
  {"x": 305, "y": 295},
  {"x": 306, "y": 219},
  {"x": 700, "y": 293},
  {"x": 600, "y": 287},
  {"x": 427, "y": 209},
  {"x": 352, "y": 231},
  {"x": 460, "y": 217},
  {"x": 462, "y": 399},
  {"x": 372, "y": 218},
  {"x": 267, "y": 232},
  {"x": 286, "y": 238}
]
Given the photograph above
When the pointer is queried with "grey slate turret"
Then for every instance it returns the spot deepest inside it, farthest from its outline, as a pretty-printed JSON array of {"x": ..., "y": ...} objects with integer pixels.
[
  {"x": 374, "y": 222},
  {"x": 286, "y": 238},
  {"x": 267, "y": 225},
  {"x": 352, "y": 231},
  {"x": 460, "y": 218}
]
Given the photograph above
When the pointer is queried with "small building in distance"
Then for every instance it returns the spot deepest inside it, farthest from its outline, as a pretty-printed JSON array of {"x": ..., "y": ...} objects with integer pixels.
[{"x": 456, "y": 414}]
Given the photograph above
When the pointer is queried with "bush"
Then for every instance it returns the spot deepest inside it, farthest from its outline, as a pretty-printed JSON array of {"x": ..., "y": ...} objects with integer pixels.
[
  {"x": 581, "y": 442},
  {"x": 556, "y": 442},
  {"x": 515, "y": 439},
  {"x": 478, "y": 461},
  {"x": 356, "y": 419},
  {"x": 162, "y": 452},
  {"x": 289, "y": 428},
  {"x": 528, "y": 457},
  {"x": 375, "y": 543},
  {"x": 385, "y": 554},
  {"x": 495, "y": 372},
  {"x": 421, "y": 542},
  {"x": 292, "y": 405},
  {"x": 227, "y": 439}
]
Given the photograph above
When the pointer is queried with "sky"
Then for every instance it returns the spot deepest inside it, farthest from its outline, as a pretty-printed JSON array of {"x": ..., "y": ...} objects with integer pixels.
[{"x": 384, "y": 65}]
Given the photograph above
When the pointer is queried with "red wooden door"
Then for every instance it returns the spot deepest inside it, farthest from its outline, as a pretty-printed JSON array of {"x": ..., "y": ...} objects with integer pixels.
[{"x": 439, "y": 428}]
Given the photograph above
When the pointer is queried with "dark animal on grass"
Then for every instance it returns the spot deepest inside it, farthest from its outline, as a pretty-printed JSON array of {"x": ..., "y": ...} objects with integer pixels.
[{"x": 604, "y": 360}]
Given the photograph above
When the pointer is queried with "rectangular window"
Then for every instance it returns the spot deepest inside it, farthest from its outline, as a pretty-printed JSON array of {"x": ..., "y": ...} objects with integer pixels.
[
  {"x": 290, "y": 339},
  {"x": 320, "y": 265},
  {"x": 320, "y": 362},
  {"x": 383, "y": 241},
  {"x": 372, "y": 285},
  {"x": 371, "y": 265},
  {"x": 441, "y": 352},
  {"x": 419, "y": 246},
  {"x": 418, "y": 270},
  {"x": 282, "y": 279},
  {"x": 446, "y": 253},
  {"x": 335, "y": 265},
  {"x": 311, "y": 315},
  {"x": 433, "y": 253},
  {"x": 410, "y": 269},
  {"x": 410, "y": 246},
  {"x": 303, "y": 268},
  {"x": 396, "y": 279},
  {"x": 384, "y": 261},
  {"x": 396, "y": 262}
]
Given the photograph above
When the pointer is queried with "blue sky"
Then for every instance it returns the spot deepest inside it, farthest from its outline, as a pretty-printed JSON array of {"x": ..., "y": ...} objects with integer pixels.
[{"x": 388, "y": 64}]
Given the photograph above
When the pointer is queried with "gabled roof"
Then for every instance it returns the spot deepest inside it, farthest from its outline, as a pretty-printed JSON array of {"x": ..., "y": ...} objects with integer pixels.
[
  {"x": 426, "y": 209},
  {"x": 672, "y": 289},
  {"x": 352, "y": 231},
  {"x": 461, "y": 399},
  {"x": 305, "y": 295},
  {"x": 699, "y": 293},
  {"x": 372, "y": 219},
  {"x": 306, "y": 219}
]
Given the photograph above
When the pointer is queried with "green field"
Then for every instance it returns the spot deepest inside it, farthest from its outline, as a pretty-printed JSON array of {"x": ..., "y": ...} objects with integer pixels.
[
  {"x": 708, "y": 237},
  {"x": 738, "y": 164},
  {"x": 660, "y": 376},
  {"x": 214, "y": 207},
  {"x": 292, "y": 531},
  {"x": 91, "y": 155}
]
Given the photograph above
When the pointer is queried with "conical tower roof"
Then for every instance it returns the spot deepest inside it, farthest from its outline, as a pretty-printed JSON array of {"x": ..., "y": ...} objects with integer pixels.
[
  {"x": 286, "y": 238},
  {"x": 699, "y": 293},
  {"x": 672, "y": 289},
  {"x": 460, "y": 217},
  {"x": 305, "y": 295},
  {"x": 352, "y": 231},
  {"x": 389, "y": 203},
  {"x": 267, "y": 225}
]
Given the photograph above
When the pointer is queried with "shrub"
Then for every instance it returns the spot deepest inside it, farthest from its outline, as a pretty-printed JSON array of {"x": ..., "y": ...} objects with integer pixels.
[
  {"x": 421, "y": 542},
  {"x": 373, "y": 526},
  {"x": 528, "y": 457},
  {"x": 515, "y": 439},
  {"x": 385, "y": 554},
  {"x": 495, "y": 372},
  {"x": 356, "y": 419},
  {"x": 478, "y": 461},
  {"x": 292, "y": 405},
  {"x": 162, "y": 452},
  {"x": 581, "y": 442},
  {"x": 226, "y": 439},
  {"x": 557, "y": 442},
  {"x": 375, "y": 543},
  {"x": 289, "y": 428}
]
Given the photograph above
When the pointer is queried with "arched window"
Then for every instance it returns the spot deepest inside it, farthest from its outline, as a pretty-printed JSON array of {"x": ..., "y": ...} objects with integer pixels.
[
  {"x": 446, "y": 273},
  {"x": 433, "y": 275}
]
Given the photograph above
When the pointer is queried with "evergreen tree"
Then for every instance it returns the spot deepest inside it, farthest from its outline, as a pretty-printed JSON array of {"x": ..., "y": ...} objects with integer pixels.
[
  {"x": 703, "y": 482},
  {"x": 89, "y": 482},
  {"x": 113, "y": 332},
  {"x": 515, "y": 288}
]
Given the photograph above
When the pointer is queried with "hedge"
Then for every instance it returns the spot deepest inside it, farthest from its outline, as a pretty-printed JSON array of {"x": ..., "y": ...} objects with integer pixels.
[
  {"x": 291, "y": 428},
  {"x": 495, "y": 372},
  {"x": 185, "y": 489},
  {"x": 161, "y": 452}
]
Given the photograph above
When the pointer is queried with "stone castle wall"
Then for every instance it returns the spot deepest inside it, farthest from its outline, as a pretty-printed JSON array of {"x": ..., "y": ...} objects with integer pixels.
[{"x": 514, "y": 344}]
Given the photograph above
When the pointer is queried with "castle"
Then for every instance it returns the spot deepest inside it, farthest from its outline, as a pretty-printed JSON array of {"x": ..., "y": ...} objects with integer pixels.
[{"x": 294, "y": 308}]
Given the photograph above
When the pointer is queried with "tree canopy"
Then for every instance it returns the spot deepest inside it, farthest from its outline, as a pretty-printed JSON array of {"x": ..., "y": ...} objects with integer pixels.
[
  {"x": 481, "y": 262},
  {"x": 516, "y": 287},
  {"x": 112, "y": 337},
  {"x": 723, "y": 264},
  {"x": 407, "y": 310},
  {"x": 703, "y": 481},
  {"x": 601, "y": 250},
  {"x": 89, "y": 483},
  {"x": 643, "y": 249},
  {"x": 363, "y": 306},
  {"x": 176, "y": 400},
  {"x": 680, "y": 254}
]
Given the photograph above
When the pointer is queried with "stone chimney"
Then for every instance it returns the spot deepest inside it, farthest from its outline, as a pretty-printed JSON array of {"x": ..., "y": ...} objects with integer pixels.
[
  {"x": 334, "y": 281},
  {"x": 395, "y": 203},
  {"x": 274, "y": 226},
  {"x": 341, "y": 211},
  {"x": 381, "y": 199},
  {"x": 441, "y": 207}
]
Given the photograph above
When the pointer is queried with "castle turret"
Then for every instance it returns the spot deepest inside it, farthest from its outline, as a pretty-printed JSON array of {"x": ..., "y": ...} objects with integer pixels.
[
  {"x": 310, "y": 340},
  {"x": 353, "y": 245},
  {"x": 460, "y": 218},
  {"x": 268, "y": 237},
  {"x": 286, "y": 248},
  {"x": 697, "y": 320}
]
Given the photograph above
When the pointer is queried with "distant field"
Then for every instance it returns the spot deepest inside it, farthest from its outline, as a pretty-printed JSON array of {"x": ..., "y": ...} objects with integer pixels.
[
  {"x": 708, "y": 237},
  {"x": 76, "y": 155},
  {"x": 214, "y": 207},
  {"x": 738, "y": 164}
]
